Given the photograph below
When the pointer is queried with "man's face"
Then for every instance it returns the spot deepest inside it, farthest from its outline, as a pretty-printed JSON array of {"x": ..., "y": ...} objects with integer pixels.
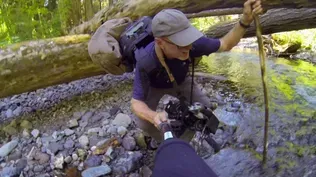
[{"x": 171, "y": 50}]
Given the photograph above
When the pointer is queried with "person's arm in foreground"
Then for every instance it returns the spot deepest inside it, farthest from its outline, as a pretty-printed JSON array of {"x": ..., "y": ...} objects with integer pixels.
[{"x": 233, "y": 37}]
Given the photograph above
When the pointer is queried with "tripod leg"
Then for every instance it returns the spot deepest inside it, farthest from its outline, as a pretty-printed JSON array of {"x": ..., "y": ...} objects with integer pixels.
[{"x": 213, "y": 143}]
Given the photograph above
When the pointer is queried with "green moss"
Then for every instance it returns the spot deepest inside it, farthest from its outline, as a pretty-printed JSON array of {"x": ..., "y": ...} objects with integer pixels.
[{"x": 74, "y": 39}]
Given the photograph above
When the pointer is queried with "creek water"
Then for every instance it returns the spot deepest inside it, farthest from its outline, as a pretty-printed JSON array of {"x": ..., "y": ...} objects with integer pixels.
[{"x": 292, "y": 126}]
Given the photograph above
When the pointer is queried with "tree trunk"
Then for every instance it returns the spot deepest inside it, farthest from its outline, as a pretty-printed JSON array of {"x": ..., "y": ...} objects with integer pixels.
[
  {"x": 28, "y": 66},
  {"x": 76, "y": 12},
  {"x": 138, "y": 8},
  {"x": 216, "y": 12},
  {"x": 275, "y": 20},
  {"x": 88, "y": 7}
]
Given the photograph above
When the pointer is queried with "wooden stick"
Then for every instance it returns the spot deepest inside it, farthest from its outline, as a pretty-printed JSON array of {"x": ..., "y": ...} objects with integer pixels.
[{"x": 264, "y": 84}]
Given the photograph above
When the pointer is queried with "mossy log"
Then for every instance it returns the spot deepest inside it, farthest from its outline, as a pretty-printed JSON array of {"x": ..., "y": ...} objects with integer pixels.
[
  {"x": 275, "y": 20},
  {"x": 138, "y": 8}
]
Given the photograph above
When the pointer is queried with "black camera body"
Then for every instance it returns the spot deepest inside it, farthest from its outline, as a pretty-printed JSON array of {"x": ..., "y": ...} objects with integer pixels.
[{"x": 195, "y": 117}]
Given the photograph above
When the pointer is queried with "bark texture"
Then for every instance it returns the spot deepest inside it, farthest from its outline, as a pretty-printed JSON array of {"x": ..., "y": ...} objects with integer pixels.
[{"x": 138, "y": 8}]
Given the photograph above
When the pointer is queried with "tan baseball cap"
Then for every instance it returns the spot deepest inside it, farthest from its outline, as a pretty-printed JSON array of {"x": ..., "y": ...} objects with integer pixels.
[{"x": 175, "y": 25}]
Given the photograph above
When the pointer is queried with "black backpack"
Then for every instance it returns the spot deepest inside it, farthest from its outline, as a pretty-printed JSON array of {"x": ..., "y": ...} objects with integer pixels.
[{"x": 137, "y": 35}]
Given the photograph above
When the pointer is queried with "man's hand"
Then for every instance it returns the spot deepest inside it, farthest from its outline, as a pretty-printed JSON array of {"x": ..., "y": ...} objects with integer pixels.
[
  {"x": 251, "y": 7},
  {"x": 159, "y": 118}
]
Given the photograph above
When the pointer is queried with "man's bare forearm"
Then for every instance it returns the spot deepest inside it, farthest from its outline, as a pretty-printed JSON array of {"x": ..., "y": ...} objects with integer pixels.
[
  {"x": 142, "y": 110},
  {"x": 233, "y": 37}
]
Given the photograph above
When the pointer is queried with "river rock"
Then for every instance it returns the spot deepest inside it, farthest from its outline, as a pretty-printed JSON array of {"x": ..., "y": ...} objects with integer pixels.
[
  {"x": 68, "y": 159},
  {"x": 96, "y": 118},
  {"x": 7, "y": 148},
  {"x": 93, "y": 161},
  {"x": 9, "y": 113},
  {"x": 9, "y": 172},
  {"x": 26, "y": 125},
  {"x": 145, "y": 171},
  {"x": 140, "y": 140},
  {"x": 94, "y": 130},
  {"x": 129, "y": 143},
  {"x": 121, "y": 130},
  {"x": 26, "y": 133},
  {"x": 84, "y": 140},
  {"x": 112, "y": 130},
  {"x": 114, "y": 110},
  {"x": 82, "y": 153},
  {"x": 55, "y": 147},
  {"x": 38, "y": 168},
  {"x": 74, "y": 156},
  {"x": 58, "y": 161},
  {"x": 128, "y": 162},
  {"x": 35, "y": 133},
  {"x": 69, "y": 132},
  {"x": 73, "y": 123},
  {"x": 69, "y": 144},
  {"x": 15, "y": 156},
  {"x": 42, "y": 158},
  {"x": 134, "y": 175},
  {"x": 122, "y": 120},
  {"x": 96, "y": 171},
  {"x": 87, "y": 116}
]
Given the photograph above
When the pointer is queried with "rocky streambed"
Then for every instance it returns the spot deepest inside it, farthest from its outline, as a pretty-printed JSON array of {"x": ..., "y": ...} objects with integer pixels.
[{"x": 85, "y": 128}]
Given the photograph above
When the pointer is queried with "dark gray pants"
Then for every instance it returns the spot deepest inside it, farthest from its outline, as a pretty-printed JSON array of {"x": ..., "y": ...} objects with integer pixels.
[{"x": 152, "y": 101}]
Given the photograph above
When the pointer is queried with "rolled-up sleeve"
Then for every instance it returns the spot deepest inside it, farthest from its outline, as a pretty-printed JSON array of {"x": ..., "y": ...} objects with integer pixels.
[
  {"x": 141, "y": 84},
  {"x": 205, "y": 46}
]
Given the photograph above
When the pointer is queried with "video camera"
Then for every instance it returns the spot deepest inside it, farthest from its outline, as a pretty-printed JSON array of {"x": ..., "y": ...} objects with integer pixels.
[{"x": 195, "y": 117}]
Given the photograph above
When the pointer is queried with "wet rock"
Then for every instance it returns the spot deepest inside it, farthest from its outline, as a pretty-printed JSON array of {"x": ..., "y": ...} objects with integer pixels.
[
  {"x": 38, "y": 168},
  {"x": 26, "y": 134},
  {"x": 69, "y": 144},
  {"x": 231, "y": 109},
  {"x": 96, "y": 118},
  {"x": 68, "y": 159},
  {"x": 94, "y": 130},
  {"x": 15, "y": 156},
  {"x": 84, "y": 140},
  {"x": 140, "y": 140},
  {"x": 82, "y": 154},
  {"x": 112, "y": 130},
  {"x": 55, "y": 147},
  {"x": 26, "y": 125},
  {"x": 10, "y": 130},
  {"x": 9, "y": 113},
  {"x": 58, "y": 135},
  {"x": 87, "y": 116},
  {"x": 69, "y": 132},
  {"x": 153, "y": 144},
  {"x": 7, "y": 148},
  {"x": 127, "y": 163},
  {"x": 58, "y": 161},
  {"x": 122, "y": 120},
  {"x": 105, "y": 122},
  {"x": 121, "y": 130},
  {"x": 17, "y": 111},
  {"x": 35, "y": 133},
  {"x": 42, "y": 158},
  {"x": 74, "y": 156},
  {"x": 134, "y": 175},
  {"x": 9, "y": 172},
  {"x": 96, "y": 171},
  {"x": 129, "y": 143},
  {"x": 236, "y": 104},
  {"x": 93, "y": 161},
  {"x": 83, "y": 124},
  {"x": 240, "y": 162},
  {"x": 114, "y": 110},
  {"x": 39, "y": 142},
  {"x": 145, "y": 171},
  {"x": 73, "y": 123}
]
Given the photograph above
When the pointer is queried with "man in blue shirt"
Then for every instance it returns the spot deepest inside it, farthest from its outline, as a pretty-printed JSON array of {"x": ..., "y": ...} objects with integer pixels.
[{"x": 176, "y": 40}]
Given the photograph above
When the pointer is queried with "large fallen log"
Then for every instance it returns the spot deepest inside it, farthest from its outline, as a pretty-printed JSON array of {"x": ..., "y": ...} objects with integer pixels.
[
  {"x": 32, "y": 65},
  {"x": 138, "y": 8},
  {"x": 275, "y": 20},
  {"x": 37, "y": 64}
]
